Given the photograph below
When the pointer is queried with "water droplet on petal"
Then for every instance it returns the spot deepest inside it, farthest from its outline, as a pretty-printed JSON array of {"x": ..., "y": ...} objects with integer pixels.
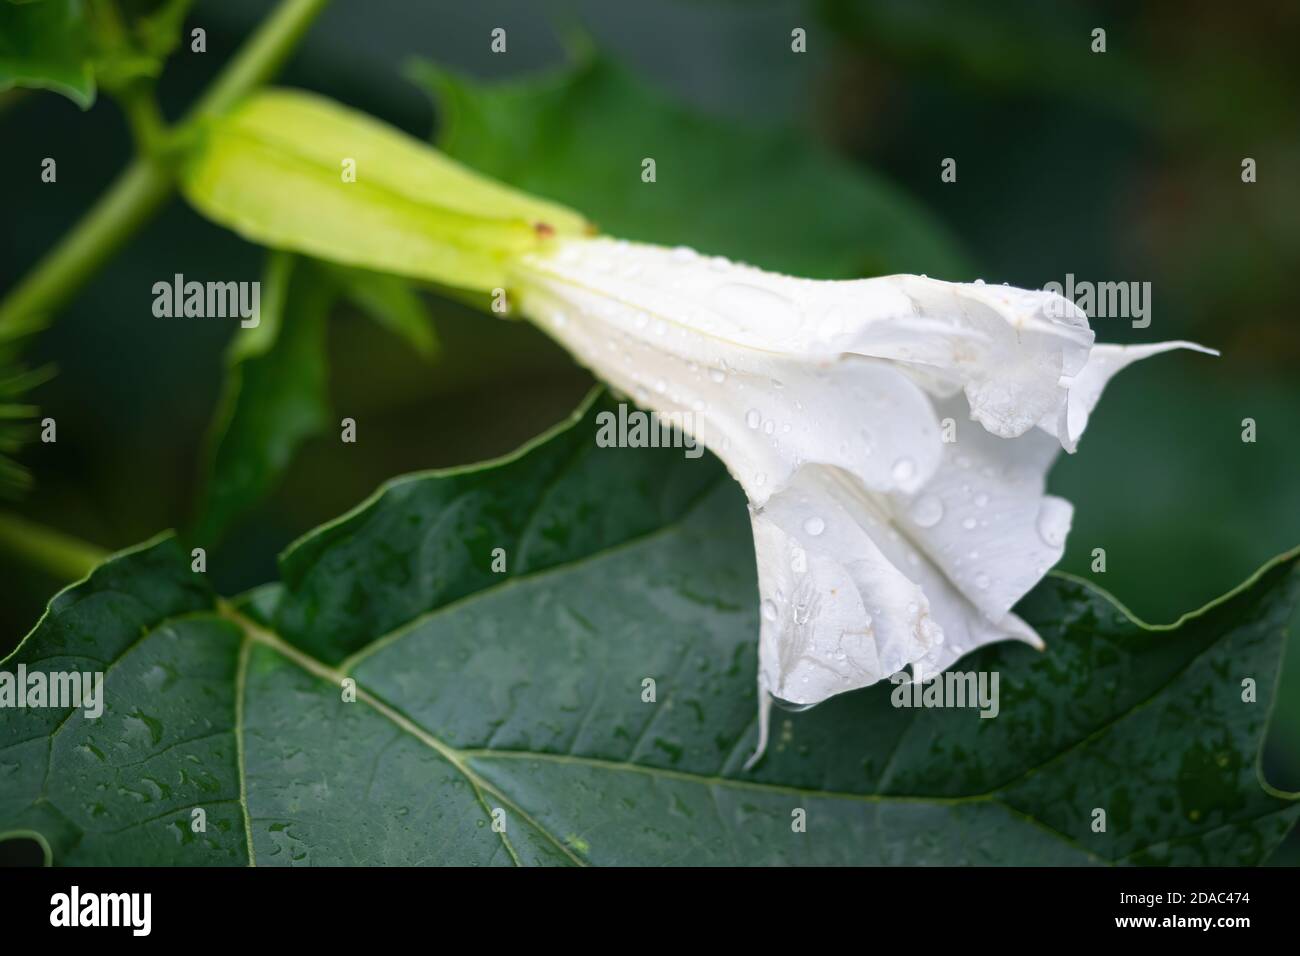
[
  {"x": 792, "y": 708},
  {"x": 769, "y": 610},
  {"x": 753, "y": 418},
  {"x": 814, "y": 525},
  {"x": 927, "y": 511},
  {"x": 982, "y": 581},
  {"x": 903, "y": 470},
  {"x": 1054, "y": 522}
]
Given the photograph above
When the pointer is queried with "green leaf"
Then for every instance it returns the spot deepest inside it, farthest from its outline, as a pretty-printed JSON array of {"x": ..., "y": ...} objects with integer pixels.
[
  {"x": 133, "y": 43},
  {"x": 274, "y": 396},
  {"x": 47, "y": 46},
  {"x": 72, "y": 46},
  {"x": 392, "y": 302},
  {"x": 775, "y": 199},
  {"x": 276, "y": 171},
  {"x": 522, "y": 692},
  {"x": 17, "y": 415}
]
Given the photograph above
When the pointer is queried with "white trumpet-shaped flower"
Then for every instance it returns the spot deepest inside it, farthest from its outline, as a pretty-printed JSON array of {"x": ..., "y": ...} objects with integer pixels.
[{"x": 893, "y": 436}]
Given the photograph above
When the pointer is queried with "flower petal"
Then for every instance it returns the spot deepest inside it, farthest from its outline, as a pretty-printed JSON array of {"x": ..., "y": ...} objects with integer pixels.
[
  {"x": 848, "y": 598},
  {"x": 983, "y": 519},
  {"x": 1007, "y": 348},
  {"x": 1085, "y": 388},
  {"x": 836, "y": 612},
  {"x": 878, "y": 546},
  {"x": 763, "y": 413}
]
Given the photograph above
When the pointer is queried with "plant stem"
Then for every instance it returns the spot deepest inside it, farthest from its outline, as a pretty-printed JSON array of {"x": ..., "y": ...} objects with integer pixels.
[
  {"x": 145, "y": 184},
  {"x": 148, "y": 127},
  {"x": 259, "y": 58},
  {"x": 57, "y": 554},
  {"x": 134, "y": 196}
]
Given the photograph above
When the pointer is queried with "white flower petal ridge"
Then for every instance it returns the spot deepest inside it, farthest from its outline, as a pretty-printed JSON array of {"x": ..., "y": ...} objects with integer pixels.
[{"x": 879, "y": 544}]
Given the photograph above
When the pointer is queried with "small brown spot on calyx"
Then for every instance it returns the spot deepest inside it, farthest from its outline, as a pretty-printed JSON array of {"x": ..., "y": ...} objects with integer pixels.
[{"x": 544, "y": 229}]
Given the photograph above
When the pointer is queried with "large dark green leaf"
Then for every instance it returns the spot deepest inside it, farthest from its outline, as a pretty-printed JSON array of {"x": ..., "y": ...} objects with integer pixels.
[
  {"x": 774, "y": 199},
  {"x": 522, "y": 691}
]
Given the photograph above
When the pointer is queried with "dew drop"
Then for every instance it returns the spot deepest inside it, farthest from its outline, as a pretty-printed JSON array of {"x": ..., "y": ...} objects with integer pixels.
[
  {"x": 753, "y": 418},
  {"x": 814, "y": 525},
  {"x": 927, "y": 511},
  {"x": 788, "y": 706},
  {"x": 982, "y": 581},
  {"x": 1053, "y": 522},
  {"x": 903, "y": 470},
  {"x": 769, "y": 610}
]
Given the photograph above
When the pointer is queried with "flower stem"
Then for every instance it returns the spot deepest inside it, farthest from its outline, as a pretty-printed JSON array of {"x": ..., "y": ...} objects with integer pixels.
[
  {"x": 259, "y": 59},
  {"x": 57, "y": 554},
  {"x": 147, "y": 182},
  {"x": 130, "y": 201}
]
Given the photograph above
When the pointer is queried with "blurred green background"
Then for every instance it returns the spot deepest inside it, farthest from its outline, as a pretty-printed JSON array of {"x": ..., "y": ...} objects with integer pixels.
[{"x": 1123, "y": 166}]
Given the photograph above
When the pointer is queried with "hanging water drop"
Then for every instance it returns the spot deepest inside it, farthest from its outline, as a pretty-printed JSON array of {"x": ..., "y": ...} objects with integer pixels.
[
  {"x": 927, "y": 511},
  {"x": 1054, "y": 522}
]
